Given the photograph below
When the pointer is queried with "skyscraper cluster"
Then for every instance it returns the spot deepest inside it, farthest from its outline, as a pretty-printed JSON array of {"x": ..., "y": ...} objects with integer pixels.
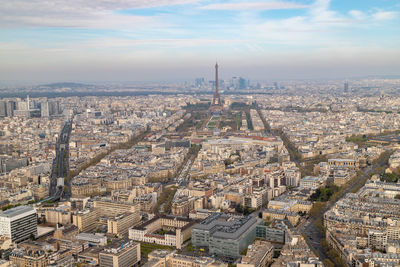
[{"x": 28, "y": 108}]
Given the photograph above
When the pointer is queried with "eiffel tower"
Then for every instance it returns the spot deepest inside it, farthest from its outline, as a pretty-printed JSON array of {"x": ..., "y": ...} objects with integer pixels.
[{"x": 216, "y": 105}]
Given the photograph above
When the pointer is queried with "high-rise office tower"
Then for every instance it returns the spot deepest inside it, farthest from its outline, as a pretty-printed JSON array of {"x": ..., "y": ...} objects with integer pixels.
[
  {"x": 3, "y": 108},
  {"x": 11, "y": 106},
  {"x": 243, "y": 83},
  {"x": 239, "y": 83},
  {"x": 235, "y": 83},
  {"x": 54, "y": 108},
  {"x": 199, "y": 82},
  {"x": 346, "y": 87},
  {"x": 44, "y": 109},
  {"x": 22, "y": 105},
  {"x": 28, "y": 103}
]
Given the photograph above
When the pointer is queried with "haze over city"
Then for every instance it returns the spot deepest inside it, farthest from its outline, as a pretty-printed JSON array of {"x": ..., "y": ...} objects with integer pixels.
[{"x": 175, "y": 40}]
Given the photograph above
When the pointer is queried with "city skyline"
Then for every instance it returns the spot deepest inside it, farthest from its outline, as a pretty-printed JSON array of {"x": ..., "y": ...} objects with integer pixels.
[{"x": 175, "y": 40}]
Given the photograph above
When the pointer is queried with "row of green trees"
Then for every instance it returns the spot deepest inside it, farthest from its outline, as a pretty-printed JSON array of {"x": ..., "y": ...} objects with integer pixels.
[
  {"x": 323, "y": 194},
  {"x": 165, "y": 198},
  {"x": 334, "y": 193}
]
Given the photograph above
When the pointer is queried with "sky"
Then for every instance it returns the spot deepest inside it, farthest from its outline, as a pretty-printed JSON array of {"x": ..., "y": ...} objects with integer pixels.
[{"x": 175, "y": 40}]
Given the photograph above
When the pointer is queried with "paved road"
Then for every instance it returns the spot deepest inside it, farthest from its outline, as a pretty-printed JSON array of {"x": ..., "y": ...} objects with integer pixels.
[
  {"x": 314, "y": 237},
  {"x": 183, "y": 177},
  {"x": 60, "y": 165}
]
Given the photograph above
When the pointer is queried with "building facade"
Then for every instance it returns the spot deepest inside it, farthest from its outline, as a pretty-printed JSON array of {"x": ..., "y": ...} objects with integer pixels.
[
  {"x": 120, "y": 224},
  {"x": 125, "y": 253},
  {"x": 225, "y": 235},
  {"x": 164, "y": 230},
  {"x": 28, "y": 258},
  {"x": 19, "y": 223}
]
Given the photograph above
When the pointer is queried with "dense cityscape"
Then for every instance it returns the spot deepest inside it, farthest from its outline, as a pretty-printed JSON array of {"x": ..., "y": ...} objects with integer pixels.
[{"x": 215, "y": 176}]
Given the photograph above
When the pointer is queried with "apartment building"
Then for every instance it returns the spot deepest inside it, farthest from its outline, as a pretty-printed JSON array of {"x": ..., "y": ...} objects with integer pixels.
[
  {"x": 120, "y": 253},
  {"x": 225, "y": 235}
]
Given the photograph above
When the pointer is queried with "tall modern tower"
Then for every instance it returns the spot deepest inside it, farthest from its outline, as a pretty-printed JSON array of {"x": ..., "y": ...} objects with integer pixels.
[
  {"x": 28, "y": 103},
  {"x": 216, "y": 105},
  {"x": 44, "y": 109}
]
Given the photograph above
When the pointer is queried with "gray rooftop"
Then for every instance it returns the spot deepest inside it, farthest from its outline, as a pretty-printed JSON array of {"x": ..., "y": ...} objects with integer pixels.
[
  {"x": 16, "y": 211},
  {"x": 227, "y": 227}
]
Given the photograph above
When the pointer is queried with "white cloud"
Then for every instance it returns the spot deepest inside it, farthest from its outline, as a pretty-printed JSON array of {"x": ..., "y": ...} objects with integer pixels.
[
  {"x": 105, "y": 43},
  {"x": 77, "y": 13},
  {"x": 85, "y": 5},
  {"x": 313, "y": 29},
  {"x": 321, "y": 13},
  {"x": 99, "y": 20},
  {"x": 384, "y": 15},
  {"x": 272, "y": 5},
  {"x": 245, "y": 39},
  {"x": 357, "y": 14}
]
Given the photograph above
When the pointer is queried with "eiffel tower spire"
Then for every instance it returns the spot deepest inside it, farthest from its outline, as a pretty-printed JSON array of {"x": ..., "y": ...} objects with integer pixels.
[{"x": 216, "y": 99}]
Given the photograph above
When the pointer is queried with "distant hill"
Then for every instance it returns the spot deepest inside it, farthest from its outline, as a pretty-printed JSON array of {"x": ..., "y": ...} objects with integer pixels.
[
  {"x": 64, "y": 85},
  {"x": 380, "y": 77}
]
